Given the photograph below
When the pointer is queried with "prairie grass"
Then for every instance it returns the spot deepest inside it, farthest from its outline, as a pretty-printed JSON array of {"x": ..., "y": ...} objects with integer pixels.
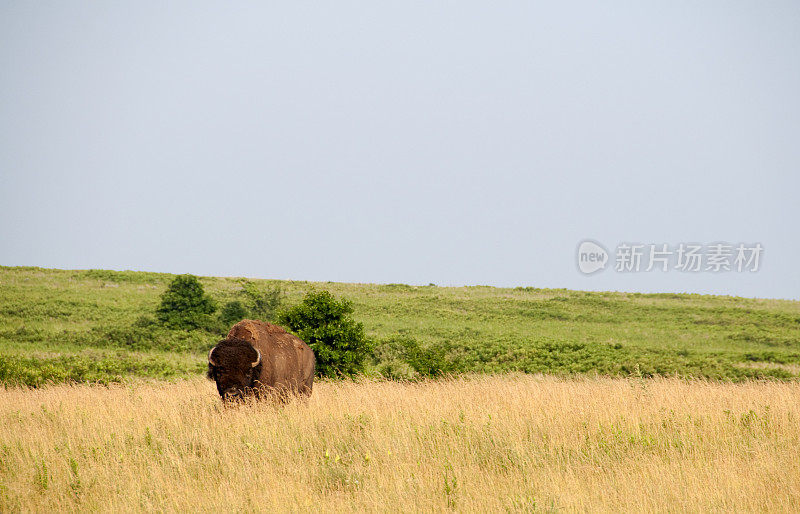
[
  {"x": 62, "y": 326},
  {"x": 516, "y": 443}
]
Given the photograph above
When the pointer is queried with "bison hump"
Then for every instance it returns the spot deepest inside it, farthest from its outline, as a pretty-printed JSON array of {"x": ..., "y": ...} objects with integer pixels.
[{"x": 250, "y": 330}]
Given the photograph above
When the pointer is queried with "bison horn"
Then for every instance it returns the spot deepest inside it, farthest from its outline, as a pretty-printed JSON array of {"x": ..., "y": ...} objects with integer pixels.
[
  {"x": 258, "y": 360},
  {"x": 210, "y": 360}
]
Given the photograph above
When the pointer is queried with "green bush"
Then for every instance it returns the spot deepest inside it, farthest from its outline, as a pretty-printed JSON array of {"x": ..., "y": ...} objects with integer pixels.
[
  {"x": 185, "y": 305},
  {"x": 325, "y": 324},
  {"x": 233, "y": 312},
  {"x": 263, "y": 305},
  {"x": 402, "y": 357}
]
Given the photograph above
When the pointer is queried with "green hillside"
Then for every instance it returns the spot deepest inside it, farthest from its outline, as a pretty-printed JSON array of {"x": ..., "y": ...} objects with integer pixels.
[{"x": 95, "y": 325}]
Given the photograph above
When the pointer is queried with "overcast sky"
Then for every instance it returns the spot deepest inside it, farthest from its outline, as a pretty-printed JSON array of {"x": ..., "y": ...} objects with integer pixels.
[{"x": 457, "y": 143}]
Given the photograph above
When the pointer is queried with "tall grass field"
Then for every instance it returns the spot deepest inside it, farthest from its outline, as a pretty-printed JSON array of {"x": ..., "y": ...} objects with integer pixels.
[{"x": 511, "y": 443}]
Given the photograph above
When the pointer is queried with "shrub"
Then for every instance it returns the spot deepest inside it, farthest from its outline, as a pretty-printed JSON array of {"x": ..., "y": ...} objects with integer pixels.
[
  {"x": 263, "y": 304},
  {"x": 396, "y": 369},
  {"x": 184, "y": 304},
  {"x": 233, "y": 312},
  {"x": 325, "y": 324},
  {"x": 402, "y": 357}
]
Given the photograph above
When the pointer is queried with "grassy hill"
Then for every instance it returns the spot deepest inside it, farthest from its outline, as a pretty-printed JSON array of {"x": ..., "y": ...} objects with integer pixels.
[{"x": 96, "y": 325}]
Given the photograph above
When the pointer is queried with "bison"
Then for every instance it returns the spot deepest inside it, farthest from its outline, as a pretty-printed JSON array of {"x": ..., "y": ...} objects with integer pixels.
[{"x": 258, "y": 357}]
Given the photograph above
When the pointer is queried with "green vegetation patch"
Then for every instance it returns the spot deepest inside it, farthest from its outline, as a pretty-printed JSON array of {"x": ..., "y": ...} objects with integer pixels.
[
  {"x": 100, "y": 325},
  {"x": 97, "y": 367}
]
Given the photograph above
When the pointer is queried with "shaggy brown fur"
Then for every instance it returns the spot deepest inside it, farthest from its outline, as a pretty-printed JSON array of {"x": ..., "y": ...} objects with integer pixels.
[{"x": 286, "y": 367}]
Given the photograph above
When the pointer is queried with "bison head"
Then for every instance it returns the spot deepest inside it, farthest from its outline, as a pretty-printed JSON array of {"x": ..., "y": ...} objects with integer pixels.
[{"x": 235, "y": 365}]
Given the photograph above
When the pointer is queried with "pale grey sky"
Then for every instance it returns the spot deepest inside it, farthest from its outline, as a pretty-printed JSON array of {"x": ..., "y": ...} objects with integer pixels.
[{"x": 448, "y": 142}]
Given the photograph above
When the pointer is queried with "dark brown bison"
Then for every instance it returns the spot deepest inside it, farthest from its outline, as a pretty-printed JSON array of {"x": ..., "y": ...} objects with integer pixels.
[{"x": 259, "y": 357}]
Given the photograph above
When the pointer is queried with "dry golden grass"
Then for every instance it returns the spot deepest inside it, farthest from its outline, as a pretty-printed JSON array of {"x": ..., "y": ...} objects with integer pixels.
[{"x": 484, "y": 443}]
